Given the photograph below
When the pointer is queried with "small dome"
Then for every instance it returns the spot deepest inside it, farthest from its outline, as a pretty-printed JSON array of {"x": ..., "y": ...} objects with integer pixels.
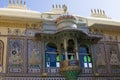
[
  {"x": 66, "y": 22},
  {"x": 65, "y": 17}
]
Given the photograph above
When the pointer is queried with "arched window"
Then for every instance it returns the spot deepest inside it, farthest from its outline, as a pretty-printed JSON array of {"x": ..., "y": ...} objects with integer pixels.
[
  {"x": 70, "y": 49},
  {"x": 52, "y": 57},
  {"x": 1, "y": 51},
  {"x": 84, "y": 57}
]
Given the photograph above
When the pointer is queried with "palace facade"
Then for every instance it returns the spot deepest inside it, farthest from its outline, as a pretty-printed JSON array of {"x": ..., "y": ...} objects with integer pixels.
[{"x": 57, "y": 45}]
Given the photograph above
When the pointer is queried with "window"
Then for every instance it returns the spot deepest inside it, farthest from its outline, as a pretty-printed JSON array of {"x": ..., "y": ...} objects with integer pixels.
[
  {"x": 71, "y": 57},
  {"x": 58, "y": 60},
  {"x": 84, "y": 57},
  {"x": 52, "y": 58},
  {"x": 70, "y": 47},
  {"x": 87, "y": 62}
]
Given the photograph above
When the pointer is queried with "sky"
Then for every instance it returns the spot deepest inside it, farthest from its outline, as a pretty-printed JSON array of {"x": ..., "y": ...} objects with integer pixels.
[{"x": 78, "y": 7}]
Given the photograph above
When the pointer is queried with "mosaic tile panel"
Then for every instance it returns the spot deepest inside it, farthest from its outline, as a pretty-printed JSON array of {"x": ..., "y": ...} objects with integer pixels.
[{"x": 15, "y": 55}]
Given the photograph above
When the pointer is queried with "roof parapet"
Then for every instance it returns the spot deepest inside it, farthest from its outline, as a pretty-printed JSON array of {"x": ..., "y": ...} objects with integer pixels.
[
  {"x": 57, "y": 8},
  {"x": 98, "y": 13},
  {"x": 17, "y": 4}
]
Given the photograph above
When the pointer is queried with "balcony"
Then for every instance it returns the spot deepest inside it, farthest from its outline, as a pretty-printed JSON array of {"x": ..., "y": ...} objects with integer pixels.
[
  {"x": 70, "y": 65},
  {"x": 70, "y": 69}
]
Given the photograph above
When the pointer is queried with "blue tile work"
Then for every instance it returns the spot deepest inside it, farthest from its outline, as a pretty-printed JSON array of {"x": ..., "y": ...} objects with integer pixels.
[{"x": 15, "y": 55}]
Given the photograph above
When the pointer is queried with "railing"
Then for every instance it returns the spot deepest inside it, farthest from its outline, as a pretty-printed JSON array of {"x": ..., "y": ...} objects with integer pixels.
[
  {"x": 32, "y": 78},
  {"x": 115, "y": 71},
  {"x": 53, "y": 70},
  {"x": 87, "y": 70},
  {"x": 59, "y": 78},
  {"x": 34, "y": 70},
  {"x": 102, "y": 71},
  {"x": 18, "y": 70},
  {"x": 73, "y": 63},
  {"x": 98, "y": 78},
  {"x": 69, "y": 63}
]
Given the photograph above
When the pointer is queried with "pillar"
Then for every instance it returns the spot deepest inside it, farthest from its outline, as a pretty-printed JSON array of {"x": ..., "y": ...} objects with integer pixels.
[
  {"x": 43, "y": 53},
  {"x": 65, "y": 47},
  {"x": 76, "y": 49}
]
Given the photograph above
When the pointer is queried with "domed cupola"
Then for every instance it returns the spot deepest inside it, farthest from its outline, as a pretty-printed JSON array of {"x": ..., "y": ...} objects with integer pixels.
[{"x": 66, "y": 22}]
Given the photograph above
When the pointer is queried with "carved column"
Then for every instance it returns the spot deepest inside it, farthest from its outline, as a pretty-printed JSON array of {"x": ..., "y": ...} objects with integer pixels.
[
  {"x": 93, "y": 59},
  {"x": 65, "y": 47},
  {"x": 76, "y": 49},
  {"x": 43, "y": 58},
  {"x": 25, "y": 57}
]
